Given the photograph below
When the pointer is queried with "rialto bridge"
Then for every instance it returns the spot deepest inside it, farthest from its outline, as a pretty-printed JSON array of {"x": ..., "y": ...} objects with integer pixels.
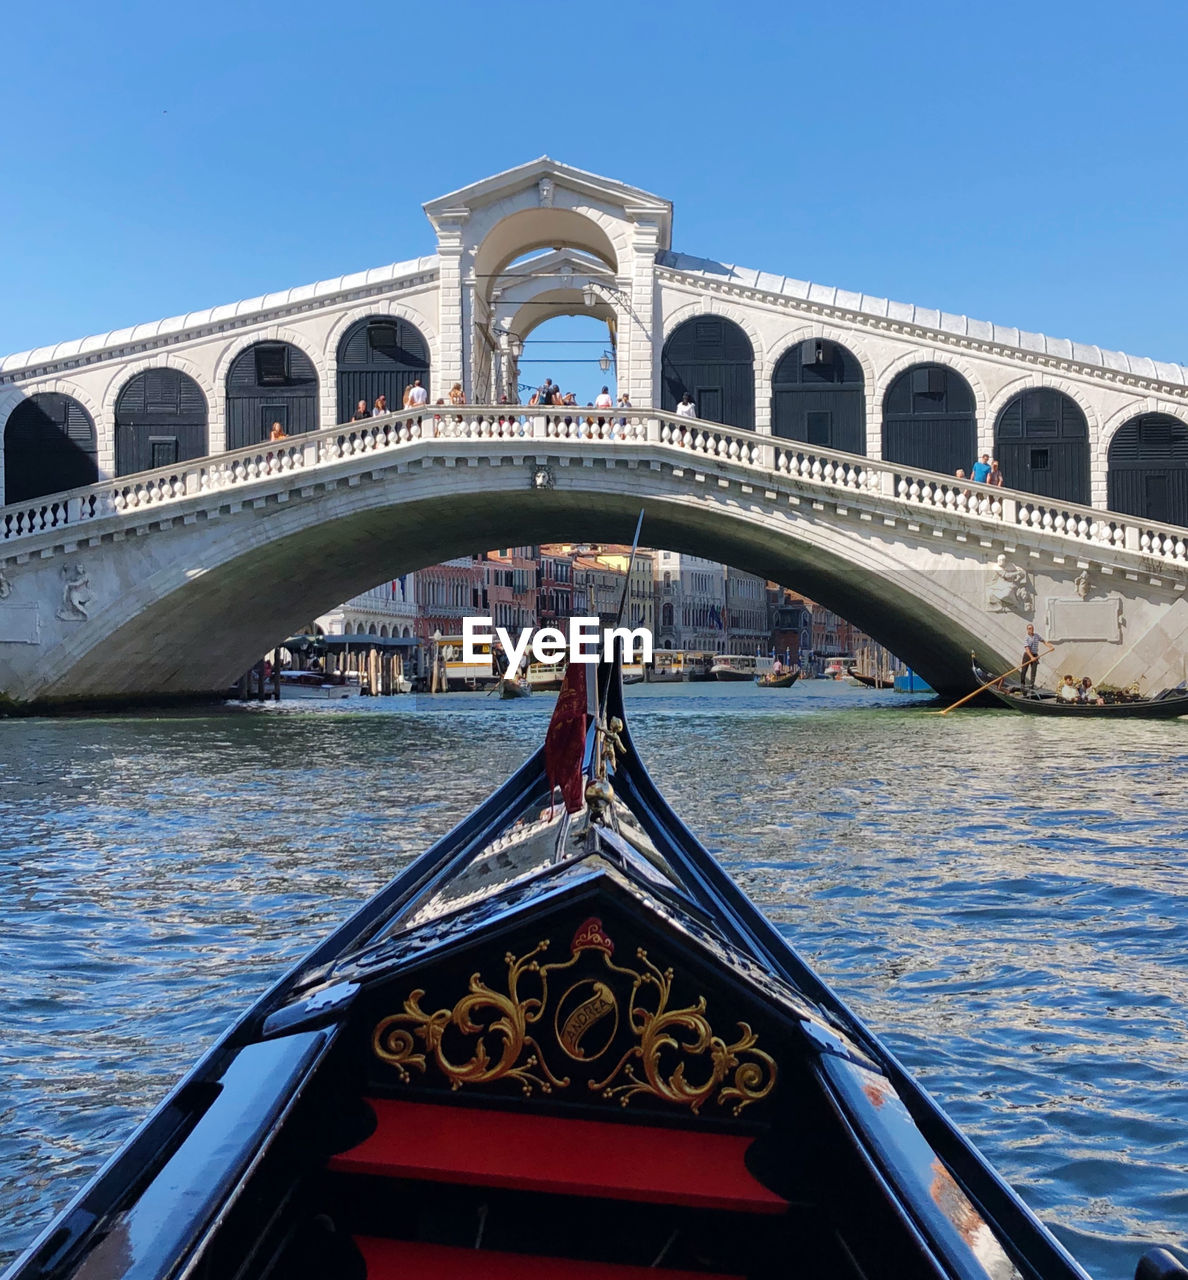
[{"x": 150, "y": 543}]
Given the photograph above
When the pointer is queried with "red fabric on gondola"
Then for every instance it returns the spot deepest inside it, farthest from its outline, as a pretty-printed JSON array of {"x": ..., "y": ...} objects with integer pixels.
[
  {"x": 532, "y": 1152},
  {"x": 565, "y": 742},
  {"x": 399, "y": 1259}
]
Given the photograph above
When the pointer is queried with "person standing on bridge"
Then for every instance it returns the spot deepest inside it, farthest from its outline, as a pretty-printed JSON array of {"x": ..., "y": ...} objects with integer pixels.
[
  {"x": 686, "y": 408},
  {"x": 981, "y": 470},
  {"x": 361, "y": 412},
  {"x": 1031, "y": 656},
  {"x": 380, "y": 407},
  {"x": 416, "y": 395},
  {"x": 995, "y": 477}
]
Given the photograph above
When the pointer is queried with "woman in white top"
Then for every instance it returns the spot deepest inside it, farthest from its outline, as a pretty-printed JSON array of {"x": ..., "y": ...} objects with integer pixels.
[{"x": 686, "y": 408}]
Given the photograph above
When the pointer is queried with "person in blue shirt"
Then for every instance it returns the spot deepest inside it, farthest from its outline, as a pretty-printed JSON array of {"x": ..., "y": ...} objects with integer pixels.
[{"x": 981, "y": 470}]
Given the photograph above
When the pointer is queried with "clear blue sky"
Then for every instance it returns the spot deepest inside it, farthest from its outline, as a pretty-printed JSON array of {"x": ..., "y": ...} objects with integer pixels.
[{"x": 1017, "y": 162}]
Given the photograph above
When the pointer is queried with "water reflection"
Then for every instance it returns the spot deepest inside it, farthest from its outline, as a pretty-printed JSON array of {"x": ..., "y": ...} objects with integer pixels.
[{"x": 1002, "y": 898}]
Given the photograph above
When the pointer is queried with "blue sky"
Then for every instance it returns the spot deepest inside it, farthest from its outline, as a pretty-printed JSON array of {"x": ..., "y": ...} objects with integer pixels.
[{"x": 1022, "y": 163}]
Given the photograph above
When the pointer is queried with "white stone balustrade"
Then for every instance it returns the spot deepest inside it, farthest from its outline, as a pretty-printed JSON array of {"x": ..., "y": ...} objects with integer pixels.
[{"x": 518, "y": 426}]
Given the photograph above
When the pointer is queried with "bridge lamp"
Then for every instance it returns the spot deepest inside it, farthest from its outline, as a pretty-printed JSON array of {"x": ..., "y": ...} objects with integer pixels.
[
  {"x": 515, "y": 345},
  {"x": 590, "y": 295},
  {"x": 605, "y": 361}
]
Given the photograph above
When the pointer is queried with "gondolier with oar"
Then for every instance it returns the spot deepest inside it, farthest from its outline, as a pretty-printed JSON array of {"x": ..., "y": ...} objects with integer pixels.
[{"x": 1031, "y": 656}]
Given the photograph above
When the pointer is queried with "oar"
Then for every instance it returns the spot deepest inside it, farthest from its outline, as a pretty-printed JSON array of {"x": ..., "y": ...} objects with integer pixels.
[{"x": 992, "y": 680}]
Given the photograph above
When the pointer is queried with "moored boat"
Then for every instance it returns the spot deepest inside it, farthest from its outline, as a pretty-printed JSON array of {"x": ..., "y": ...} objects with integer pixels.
[
  {"x": 870, "y": 681},
  {"x": 560, "y": 1044},
  {"x": 314, "y": 686},
  {"x": 1115, "y": 704},
  {"x": 740, "y": 666}
]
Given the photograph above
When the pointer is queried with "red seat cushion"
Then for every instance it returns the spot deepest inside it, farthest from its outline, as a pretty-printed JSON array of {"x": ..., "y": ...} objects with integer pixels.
[
  {"x": 533, "y": 1152},
  {"x": 400, "y": 1259}
]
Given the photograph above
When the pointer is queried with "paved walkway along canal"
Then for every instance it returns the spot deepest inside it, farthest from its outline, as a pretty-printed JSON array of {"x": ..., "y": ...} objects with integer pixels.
[{"x": 1002, "y": 898}]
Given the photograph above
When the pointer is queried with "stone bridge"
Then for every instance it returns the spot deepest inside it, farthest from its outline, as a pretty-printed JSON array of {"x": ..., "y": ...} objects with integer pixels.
[{"x": 125, "y": 589}]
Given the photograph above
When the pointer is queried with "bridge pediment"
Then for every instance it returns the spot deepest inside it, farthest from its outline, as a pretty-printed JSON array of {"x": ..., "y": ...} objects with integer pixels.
[{"x": 548, "y": 184}]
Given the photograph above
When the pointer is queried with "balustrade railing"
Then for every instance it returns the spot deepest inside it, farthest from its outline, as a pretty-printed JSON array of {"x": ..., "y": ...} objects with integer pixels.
[{"x": 830, "y": 470}]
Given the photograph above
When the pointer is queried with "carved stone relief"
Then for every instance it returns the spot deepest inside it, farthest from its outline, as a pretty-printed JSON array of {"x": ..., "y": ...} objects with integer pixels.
[
  {"x": 1009, "y": 590},
  {"x": 76, "y": 594}
]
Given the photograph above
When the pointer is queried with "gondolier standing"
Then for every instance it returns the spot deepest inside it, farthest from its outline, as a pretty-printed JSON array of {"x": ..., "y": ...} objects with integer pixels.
[{"x": 1031, "y": 656}]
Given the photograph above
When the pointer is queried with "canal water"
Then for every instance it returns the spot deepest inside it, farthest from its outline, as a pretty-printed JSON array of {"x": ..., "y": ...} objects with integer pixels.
[{"x": 1002, "y": 898}]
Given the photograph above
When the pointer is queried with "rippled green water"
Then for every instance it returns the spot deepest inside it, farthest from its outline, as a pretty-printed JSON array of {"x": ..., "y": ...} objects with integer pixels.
[{"x": 1002, "y": 898}]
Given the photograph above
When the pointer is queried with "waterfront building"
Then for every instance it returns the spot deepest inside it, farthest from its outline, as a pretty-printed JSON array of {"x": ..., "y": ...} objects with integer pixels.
[
  {"x": 603, "y": 582},
  {"x": 554, "y": 597},
  {"x": 448, "y": 592},
  {"x": 747, "y": 627},
  {"x": 510, "y": 588},
  {"x": 387, "y": 610},
  {"x": 691, "y": 603},
  {"x": 790, "y": 623}
]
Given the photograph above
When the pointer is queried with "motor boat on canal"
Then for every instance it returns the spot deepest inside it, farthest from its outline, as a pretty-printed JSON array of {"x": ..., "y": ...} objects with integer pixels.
[
  {"x": 741, "y": 666},
  {"x": 560, "y": 1045},
  {"x": 315, "y": 685}
]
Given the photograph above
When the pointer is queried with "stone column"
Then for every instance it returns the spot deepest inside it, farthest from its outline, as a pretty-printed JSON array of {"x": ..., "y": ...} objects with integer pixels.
[
  {"x": 639, "y": 341},
  {"x": 452, "y": 322}
]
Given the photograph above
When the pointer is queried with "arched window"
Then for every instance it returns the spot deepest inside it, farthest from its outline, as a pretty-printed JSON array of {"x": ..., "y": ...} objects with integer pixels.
[
  {"x": 1041, "y": 440},
  {"x": 1148, "y": 469},
  {"x": 379, "y": 355},
  {"x": 49, "y": 445},
  {"x": 928, "y": 420},
  {"x": 666, "y": 616},
  {"x": 270, "y": 382},
  {"x": 160, "y": 419},
  {"x": 710, "y": 357},
  {"x": 818, "y": 396}
]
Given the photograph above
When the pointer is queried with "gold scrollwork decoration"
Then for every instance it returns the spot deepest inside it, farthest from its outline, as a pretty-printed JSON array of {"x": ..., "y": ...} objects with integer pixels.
[
  {"x": 675, "y": 1056},
  {"x": 396, "y": 1045},
  {"x": 660, "y": 1030}
]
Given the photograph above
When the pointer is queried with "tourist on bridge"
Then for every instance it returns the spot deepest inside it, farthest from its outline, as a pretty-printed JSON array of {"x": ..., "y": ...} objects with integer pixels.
[
  {"x": 416, "y": 395},
  {"x": 1031, "y": 656},
  {"x": 380, "y": 407},
  {"x": 457, "y": 395},
  {"x": 686, "y": 408},
  {"x": 544, "y": 393},
  {"x": 624, "y": 403},
  {"x": 995, "y": 477},
  {"x": 981, "y": 470},
  {"x": 277, "y": 432},
  {"x": 361, "y": 412}
]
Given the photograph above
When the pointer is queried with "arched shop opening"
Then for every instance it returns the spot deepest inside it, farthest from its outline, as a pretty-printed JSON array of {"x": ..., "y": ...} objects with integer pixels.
[
  {"x": 818, "y": 396},
  {"x": 270, "y": 382},
  {"x": 928, "y": 420},
  {"x": 1041, "y": 440},
  {"x": 711, "y": 358},
  {"x": 160, "y": 419},
  {"x": 49, "y": 445},
  {"x": 1148, "y": 469},
  {"x": 379, "y": 355}
]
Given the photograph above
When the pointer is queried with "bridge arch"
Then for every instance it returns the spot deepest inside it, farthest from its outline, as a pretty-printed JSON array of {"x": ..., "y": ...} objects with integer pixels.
[
  {"x": 930, "y": 419},
  {"x": 160, "y": 419},
  {"x": 501, "y": 236},
  {"x": 269, "y": 380},
  {"x": 1042, "y": 440},
  {"x": 379, "y": 354},
  {"x": 50, "y": 444},
  {"x": 1147, "y": 468},
  {"x": 711, "y": 357},
  {"x": 819, "y": 395}
]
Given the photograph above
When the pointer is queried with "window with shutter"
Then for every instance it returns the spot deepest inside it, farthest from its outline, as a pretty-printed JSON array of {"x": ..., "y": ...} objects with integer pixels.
[{"x": 272, "y": 364}]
